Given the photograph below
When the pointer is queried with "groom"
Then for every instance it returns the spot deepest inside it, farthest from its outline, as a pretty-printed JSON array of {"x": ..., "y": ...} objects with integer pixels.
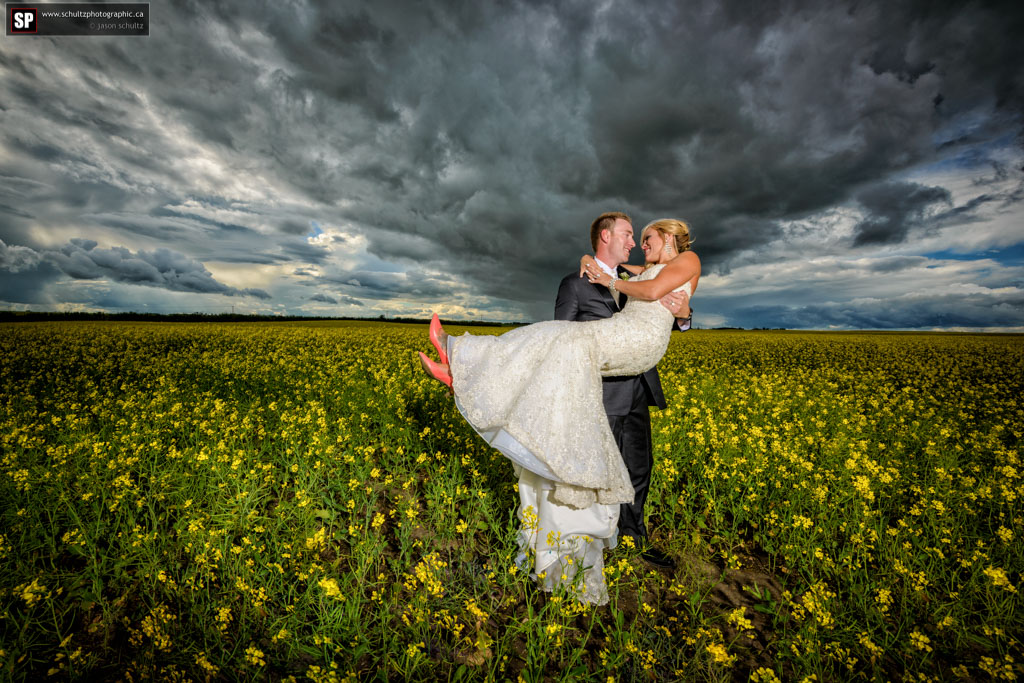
[{"x": 626, "y": 399}]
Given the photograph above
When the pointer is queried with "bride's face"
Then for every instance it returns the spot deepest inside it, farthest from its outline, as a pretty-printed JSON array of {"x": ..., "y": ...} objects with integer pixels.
[{"x": 653, "y": 245}]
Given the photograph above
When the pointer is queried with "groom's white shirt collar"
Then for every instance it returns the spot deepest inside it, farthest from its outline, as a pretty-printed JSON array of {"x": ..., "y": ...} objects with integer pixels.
[{"x": 606, "y": 268}]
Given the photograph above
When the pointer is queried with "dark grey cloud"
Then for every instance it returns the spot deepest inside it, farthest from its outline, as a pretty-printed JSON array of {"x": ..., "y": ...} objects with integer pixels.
[
  {"x": 29, "y": 286},
  {"x": 726, "y": 121},
  {"x": 294, "y": 228},
  {"x": 15, "y": 212},
  {"x": 977, "y": 310},
  {"x": 301, "y": 250},
  {"x": 464, "y": 148},
  {"x": 346, "y": 300},
  {"x": 895, "y": 264},
  {"x": 336, "y": 299},
  {"x": 383, "y": 286},
  {"x": 15, "y": 259},
  {"x": 80, "y": 259},
  {"x": 225, "y": 226},
  {"x": 892, "y": 209}
]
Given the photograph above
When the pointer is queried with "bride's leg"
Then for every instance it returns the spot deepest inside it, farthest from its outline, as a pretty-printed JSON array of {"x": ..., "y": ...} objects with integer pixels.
[
  {"x": 439, "y": 338},
  {"x": 439, "y": 371},
  {"x": 566, "y": 544}
]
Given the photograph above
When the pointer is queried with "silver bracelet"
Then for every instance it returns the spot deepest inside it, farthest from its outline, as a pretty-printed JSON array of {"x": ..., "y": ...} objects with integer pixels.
[{"x": 611, "y": 285}]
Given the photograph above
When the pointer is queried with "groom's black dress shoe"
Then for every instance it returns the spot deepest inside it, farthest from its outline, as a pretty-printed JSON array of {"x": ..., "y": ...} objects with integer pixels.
[{"x": 658, "y": 559}]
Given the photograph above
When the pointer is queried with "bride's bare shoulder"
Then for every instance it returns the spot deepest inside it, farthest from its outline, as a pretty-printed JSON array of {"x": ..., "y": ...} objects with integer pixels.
[
  {"x": 688, "y": 257},
  {"x": 687, "y": 262},
  {"x": 682, "y": 268}
]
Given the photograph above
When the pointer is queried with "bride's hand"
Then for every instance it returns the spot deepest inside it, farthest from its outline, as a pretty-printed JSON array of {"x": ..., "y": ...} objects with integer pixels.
[
  {"x": 594, "y": 272},
  {"x": 599, "y": 277},
  {"x": 585, "y": 262}
]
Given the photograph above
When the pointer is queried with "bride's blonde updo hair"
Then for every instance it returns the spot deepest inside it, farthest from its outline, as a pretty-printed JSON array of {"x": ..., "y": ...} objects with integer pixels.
[{"x": 678, "y": 229}]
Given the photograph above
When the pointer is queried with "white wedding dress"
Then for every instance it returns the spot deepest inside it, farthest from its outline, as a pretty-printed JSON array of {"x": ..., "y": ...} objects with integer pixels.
[{"x": 534, "y": 393}]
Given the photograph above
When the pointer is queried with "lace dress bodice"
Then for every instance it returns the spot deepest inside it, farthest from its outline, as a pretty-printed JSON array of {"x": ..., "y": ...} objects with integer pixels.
[{"x": 633, "y": 340}]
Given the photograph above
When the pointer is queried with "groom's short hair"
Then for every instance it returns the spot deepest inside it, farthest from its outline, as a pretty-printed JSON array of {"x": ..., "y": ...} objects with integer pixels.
[{"x": 606, "y": 221}]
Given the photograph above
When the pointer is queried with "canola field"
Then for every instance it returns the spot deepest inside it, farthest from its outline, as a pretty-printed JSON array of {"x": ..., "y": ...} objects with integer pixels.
[{"x": 296, "y": 501}]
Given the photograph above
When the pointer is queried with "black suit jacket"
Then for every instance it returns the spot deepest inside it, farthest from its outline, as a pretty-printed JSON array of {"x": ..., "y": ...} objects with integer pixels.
[{"x": 578, "y": 299}]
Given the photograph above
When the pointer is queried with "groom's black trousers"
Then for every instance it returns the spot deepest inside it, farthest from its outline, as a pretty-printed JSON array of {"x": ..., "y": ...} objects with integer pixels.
[{"x": 633, "y": 434}]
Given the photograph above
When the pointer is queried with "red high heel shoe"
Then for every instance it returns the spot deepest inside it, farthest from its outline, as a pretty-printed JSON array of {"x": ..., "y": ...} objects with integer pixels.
[
  {"x": 435, "y": 371},
  {"x": 435, "y": 339}
]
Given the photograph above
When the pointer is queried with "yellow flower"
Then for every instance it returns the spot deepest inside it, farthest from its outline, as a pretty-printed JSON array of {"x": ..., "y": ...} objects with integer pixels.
[
  {"x": 224, "y": 617},
  {"x": 920, "y": 641},
  {"x": 317, "y": 540},
  {"x": 255, "y": 656},
  {"x": 33, "y": 592},
  {"x": 763, "y": 675},
  {"x": 884, "y": 599},
  {"x": 738, "y": 618},
  {"x": 719, "y": 654},
  {"x": 999, "y": 578},
  {"x": 473, "y": 609},
  {"x": 862, "y": 484},
  {"x": 331, "y": 588},
  {"x": 203, "y": 663}
]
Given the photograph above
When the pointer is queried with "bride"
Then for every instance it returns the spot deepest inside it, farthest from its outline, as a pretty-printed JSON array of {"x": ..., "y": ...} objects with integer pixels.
[{"x": 534, "y": 393}]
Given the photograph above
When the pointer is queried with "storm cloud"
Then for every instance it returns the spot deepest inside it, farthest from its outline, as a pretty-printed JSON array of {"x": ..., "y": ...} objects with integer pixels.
[
  {"x": 81, "y": 260},
  {"x": 15, "y": 259},
  {"x": 892, "y": 209},
  {"x": 939, "y": 311},
  {"x": 451, "y": 156}
]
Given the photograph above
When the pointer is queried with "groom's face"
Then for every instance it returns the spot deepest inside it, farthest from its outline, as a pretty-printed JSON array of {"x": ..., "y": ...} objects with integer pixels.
[{"x": 621, "y": 241}]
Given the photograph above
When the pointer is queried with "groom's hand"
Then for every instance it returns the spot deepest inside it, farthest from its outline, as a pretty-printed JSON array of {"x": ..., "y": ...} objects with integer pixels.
[{"x": 677, "y": 303}]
